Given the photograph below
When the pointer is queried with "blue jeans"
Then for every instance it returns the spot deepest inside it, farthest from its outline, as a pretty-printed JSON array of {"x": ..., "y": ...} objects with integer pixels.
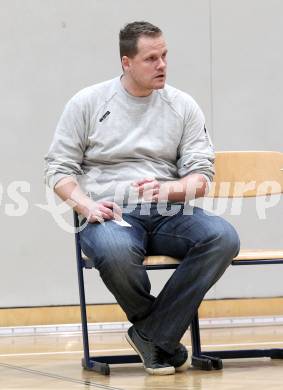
[{"x": 205, "y": 244}]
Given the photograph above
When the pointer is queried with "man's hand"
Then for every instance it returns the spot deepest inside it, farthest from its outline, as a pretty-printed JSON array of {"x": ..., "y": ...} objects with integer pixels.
[
  {"x": 148, "y": 189},
  {"x": 69, "y": 191},
  {"x": 101, "y": 211},
  {"x": 184, "y": 189}
]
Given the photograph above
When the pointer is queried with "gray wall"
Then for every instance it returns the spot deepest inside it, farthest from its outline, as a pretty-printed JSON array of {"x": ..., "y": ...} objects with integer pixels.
[{"x": 227, "y": 54}]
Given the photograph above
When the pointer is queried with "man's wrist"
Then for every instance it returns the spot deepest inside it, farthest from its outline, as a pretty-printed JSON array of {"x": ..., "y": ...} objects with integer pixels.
[
  {"x": 184, "y": 189},
  {"x": 83, "y": 204},
  {"x": 172, "y": 191}
]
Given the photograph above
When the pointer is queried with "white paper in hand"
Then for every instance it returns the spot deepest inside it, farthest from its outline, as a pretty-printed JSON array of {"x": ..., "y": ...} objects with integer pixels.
[{"x": 121, "y": 222}]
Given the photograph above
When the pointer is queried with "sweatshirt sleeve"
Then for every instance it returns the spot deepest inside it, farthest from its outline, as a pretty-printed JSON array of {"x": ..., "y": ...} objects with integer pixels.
[
  {"x": 66, "y": 152},
  {"x": 196, "y": 153}
]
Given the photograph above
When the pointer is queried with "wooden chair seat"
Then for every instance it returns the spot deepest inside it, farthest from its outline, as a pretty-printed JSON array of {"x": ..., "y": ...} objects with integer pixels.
[
  {"x": 160, "y": 260},
  {"x": 245, "y": 254},
  {"x": 259, "y": 254}
]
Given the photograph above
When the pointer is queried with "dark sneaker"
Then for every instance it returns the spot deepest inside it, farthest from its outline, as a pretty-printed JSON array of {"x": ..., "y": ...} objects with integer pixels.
[
  {"x": 150, "y": 354},
  {"x": 180, "y": 358}
]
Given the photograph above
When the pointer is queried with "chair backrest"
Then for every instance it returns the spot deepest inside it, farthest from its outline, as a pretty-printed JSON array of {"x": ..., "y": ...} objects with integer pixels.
[{"x": 247, "y": 174}]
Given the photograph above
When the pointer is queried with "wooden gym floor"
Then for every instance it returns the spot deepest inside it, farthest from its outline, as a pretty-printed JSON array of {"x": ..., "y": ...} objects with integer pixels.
[{"x": 53, "y": 362}]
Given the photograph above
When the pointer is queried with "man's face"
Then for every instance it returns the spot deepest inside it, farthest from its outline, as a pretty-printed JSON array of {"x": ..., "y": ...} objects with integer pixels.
[{"x": 147, "y": 69}]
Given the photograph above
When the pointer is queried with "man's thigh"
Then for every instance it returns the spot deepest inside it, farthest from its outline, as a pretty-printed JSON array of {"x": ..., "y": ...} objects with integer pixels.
[
  {"x": 176, "y": 235},
  {"x": 110, "y": 240}
]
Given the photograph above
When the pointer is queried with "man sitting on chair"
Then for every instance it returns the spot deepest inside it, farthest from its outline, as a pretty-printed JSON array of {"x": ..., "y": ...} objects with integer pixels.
[{"x": 136, "y": 149}]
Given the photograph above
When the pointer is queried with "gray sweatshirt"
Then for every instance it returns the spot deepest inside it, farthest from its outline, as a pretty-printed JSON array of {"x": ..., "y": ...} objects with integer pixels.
[{"x": 107, "y": 138}]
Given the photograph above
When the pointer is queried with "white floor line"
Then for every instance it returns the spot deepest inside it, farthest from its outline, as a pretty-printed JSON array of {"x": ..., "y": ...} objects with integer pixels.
[
  {"x": 109, "y": 351},
  {"x": 106, "y": 351},
  {"x": 242, "y": 344}
]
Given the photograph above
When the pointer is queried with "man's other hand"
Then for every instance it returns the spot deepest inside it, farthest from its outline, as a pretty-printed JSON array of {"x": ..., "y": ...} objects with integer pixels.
[{"x": 148, "y": 189}]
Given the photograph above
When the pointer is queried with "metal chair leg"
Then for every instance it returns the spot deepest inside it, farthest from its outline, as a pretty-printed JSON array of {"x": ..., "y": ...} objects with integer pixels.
[{"x": 200, "y": 360}]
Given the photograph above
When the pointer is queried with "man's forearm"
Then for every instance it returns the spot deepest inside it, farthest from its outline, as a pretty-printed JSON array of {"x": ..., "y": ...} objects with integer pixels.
[
  {"x": 189, "y": 187},
  {"x": 69, "y": 191}
]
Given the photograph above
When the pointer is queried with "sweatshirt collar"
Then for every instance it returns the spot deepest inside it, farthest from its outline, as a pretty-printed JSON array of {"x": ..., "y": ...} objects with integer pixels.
[{"x": 134, "y": 99}]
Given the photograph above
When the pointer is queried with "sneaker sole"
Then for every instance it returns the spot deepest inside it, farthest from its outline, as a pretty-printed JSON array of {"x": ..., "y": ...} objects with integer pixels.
[
  {"x": 184, "y": 367},
  {"x": 153, "y": 371}
]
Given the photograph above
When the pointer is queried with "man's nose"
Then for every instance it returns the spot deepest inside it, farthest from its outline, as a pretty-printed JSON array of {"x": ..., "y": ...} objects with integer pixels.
[{"x": 161, "y": 64}]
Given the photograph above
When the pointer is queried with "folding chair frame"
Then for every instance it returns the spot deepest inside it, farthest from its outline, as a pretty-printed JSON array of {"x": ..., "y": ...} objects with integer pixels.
[
  {"x": 256, "y": 168},
  {"x": 232, "y": 167},
  {"x": 198, "y": 355}
]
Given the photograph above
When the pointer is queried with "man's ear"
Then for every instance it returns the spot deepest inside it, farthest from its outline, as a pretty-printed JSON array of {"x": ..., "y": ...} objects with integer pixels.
[{"x": 125, "y": 62}]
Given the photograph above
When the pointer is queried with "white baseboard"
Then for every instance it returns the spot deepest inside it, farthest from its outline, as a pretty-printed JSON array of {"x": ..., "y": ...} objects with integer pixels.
[{"x": 123, "y": 326}]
